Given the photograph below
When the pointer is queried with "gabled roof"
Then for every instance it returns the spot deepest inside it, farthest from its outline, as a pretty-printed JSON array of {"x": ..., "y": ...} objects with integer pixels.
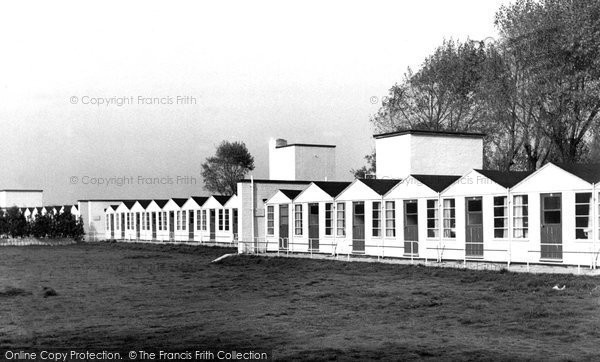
[
  {"x": 291, "y": 194},
  {"x": 589, "y": 172},
  {"x": 129, "y": 203},
  {"x": 436, "y": 182},
  {"x": 430, "y": 133},
  {"x": 160, "y": 202},
  {"x": 221, "y": 199},
  {"x": 179, "y": 201},
  {"x": 505, "y": 178},
  {"x": 144, "y": 203},
  {"x": 332, "y": 188},
  {"x": 200, "y": 200},
  {"x": 381, "y": 186}
]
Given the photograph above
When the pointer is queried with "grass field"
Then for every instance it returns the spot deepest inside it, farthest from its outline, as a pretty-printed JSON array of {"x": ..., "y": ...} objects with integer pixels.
[{"x": 118, "y": 296}]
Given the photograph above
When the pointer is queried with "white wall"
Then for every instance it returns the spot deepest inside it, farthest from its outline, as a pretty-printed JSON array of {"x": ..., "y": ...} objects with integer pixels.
[
  {"x": 21, "y": 198},
  {"x": 282, "y": 162},
  {"x": 400, "y": 156},
  {"x": 315, "y": 163}
]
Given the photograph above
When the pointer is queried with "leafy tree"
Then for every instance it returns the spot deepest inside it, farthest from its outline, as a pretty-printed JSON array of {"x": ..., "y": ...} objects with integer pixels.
[
  {"x": 16, "y": 223},
  {"x": 441, "y": 95},
  {"x": 230, "y": 164},
  {"x": 557, "y": 45},
  {"x": 369, "y": 169}
]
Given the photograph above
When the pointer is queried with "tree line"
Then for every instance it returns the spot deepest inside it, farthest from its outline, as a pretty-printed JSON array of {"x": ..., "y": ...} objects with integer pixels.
[
  {"x": 534, "y": 91},
  {"x": 64, "y": 225}
]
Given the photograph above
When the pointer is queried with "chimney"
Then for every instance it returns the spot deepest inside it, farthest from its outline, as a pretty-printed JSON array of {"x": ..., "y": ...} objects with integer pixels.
[{"x": 280, "y": 142}]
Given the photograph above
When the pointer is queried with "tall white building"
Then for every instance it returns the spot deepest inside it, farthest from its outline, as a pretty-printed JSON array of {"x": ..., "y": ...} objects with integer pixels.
[
  {"x": 400, "y": 154},
  {"x": 21, "y": 198},
  {"x": 301, "y": 161}
]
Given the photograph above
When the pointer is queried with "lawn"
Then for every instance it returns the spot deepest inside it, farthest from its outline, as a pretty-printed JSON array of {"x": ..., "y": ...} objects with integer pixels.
[{"x": 121, "y": 297}]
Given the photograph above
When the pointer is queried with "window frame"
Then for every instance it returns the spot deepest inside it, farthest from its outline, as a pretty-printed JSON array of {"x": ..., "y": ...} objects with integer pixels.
[
  {"x": 524, "y": 216},
  {"x": 390, "y": 221},
  {"x": 449, "y": 232},
  {"x": 340, "y": 222},
  {"x": 504, "y": 207},
  {"x": 298, "y": 222},
  {"x": 270, "y": 220},
  {"x": 589, "y": 205}
]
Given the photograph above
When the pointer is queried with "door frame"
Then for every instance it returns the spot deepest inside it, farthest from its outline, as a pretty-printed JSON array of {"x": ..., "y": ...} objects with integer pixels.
[
  {"x": 313, "y": 240},
  {"x": 413, "y": 249},
  {"x": 358, "y": 245},
  {"x": 543, "y": 226},
  {"x": 476, "y": 247}
]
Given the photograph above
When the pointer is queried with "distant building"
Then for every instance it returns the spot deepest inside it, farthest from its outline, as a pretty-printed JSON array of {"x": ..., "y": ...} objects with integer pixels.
[
  {"x": 301, "y": 161},
  {"x": 21, "y": 198}
]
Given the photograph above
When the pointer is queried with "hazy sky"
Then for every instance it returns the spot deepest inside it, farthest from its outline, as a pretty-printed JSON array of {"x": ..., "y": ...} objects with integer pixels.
[{"x": 300, "y": 70}]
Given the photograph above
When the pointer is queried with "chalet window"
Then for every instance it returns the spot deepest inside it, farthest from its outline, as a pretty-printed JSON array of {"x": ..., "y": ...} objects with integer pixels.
[
  {"x": 520, "y": 216},
  {"x": 270, "y": 220},
  {"x": 500, "y": 217},
  {"x": 390, "y": 218},
  {"x": 160, "y": 221},
  {"x": 341, "y": 219},
  {"x": 226, "y": 219},
  {"x": 183, "y": 220},
  {"x": 297, "y": 219},
  {"x": 376, "y": 218},
  {"x": 433, "y": 227},
  {"x": 449, "y": 214},
  {"x": 128, "y": 221},
  {"x": 198, "y": 220},
  {"x": 204, "y": 220},
  {"x": 220, "y": 219},
  {"x": 583, "y": 211},
  {"x": 328, "y": 218},
  {"x": 164, "y": 220}
]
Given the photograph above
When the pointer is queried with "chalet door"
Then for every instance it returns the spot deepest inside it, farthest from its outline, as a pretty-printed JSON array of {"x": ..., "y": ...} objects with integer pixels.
[
  {"x": 474, "y": 227},
  {"x": 191, "y": 224},
  {"x": 234, "y": 213},
  {"x": 171, "y": 225},
  {"x": 122, "y": 226},
  {"x": 551, "y": 226},
  {"x": 411, "y": 227},
  {"x": 137, "y": 225},
  {"x": 358, "y": 227},
  {"x": 213, "y": 214},
  {"x": 112, "y": 226},
  {"x": 153, "y": 223},
  {"x": 284, "y": 226},
  {"x": 313, "y": 227}
]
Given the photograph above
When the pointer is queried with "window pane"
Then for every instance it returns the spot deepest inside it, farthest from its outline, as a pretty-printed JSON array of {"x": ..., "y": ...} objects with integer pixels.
[{"x": 552, "y": 217}]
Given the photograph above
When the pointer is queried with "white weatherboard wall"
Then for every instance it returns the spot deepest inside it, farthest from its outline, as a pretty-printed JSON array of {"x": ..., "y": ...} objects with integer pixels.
[
  {"x": 405, "y": 154},
  {"x": 21, "y": 198},
  {"x": 272, "y": 241},
  {"x": 474, "y": 184},
  {"x": 247, "y": 217},
  {"x": 94, "y": 218},
  {"x": 552, "y": 179},
  {"x": 358, "y": 191},
  {"x": 411, "y": 189}
]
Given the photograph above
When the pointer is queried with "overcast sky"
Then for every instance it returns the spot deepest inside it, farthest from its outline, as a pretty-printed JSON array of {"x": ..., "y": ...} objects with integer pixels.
[{"x": 300, "y": 70}]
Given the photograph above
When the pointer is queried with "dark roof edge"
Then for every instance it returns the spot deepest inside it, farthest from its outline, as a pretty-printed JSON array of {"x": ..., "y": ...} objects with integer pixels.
[
  {"x": 430, "y": 133},
  {"x": 307, "y": 145}
]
